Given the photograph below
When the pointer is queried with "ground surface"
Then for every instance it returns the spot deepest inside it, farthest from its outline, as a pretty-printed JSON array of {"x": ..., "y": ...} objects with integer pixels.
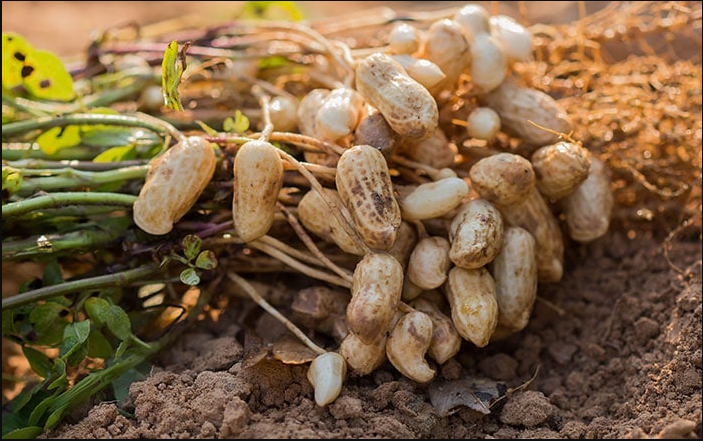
[{"x": 612, "y": 351}]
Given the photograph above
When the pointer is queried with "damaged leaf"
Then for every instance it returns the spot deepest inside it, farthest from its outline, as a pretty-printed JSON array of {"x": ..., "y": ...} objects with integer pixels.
[{"x": 477, "y": 394}]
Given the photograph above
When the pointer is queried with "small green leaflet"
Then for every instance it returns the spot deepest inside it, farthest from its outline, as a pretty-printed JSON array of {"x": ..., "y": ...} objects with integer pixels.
[
  {"x": 172, "y": 68},
  {"x": 238, "y": 124},
  {"x": 271, "y": 11}
]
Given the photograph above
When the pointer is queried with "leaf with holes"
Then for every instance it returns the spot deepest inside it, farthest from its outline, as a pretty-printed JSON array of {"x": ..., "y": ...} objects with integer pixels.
[{"x": 45, "y": 77}]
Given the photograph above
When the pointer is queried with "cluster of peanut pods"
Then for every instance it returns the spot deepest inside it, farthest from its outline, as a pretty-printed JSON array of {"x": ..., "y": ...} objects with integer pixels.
[{"x": 455, "y": 255}]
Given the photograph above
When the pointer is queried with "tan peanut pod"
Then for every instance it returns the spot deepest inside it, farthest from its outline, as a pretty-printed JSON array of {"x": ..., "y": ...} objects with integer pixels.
[
  {"x": 433, "y": 199},
  {"x": 376, "y": 288},
  {"x": 315, "y": 216},
  {"x": 560, "y": 168},
  {"x": 514, "y": 271},
  {"x": 373, "y": 130},
  {"x": 423, "y": 71},
  {"x": 404, "y": 244},
  {"x": 404, "y": 38},
  {"x": 473, "y": 19},
  {"x": 361, "y": 357},
  {"x": 446, "y": 340},
  {"x": 429, "y": 262},
  {"x": 319, "y": 307},
  {"x": 482, "y": 123},
  {"x": 364, "y": 184},
  {"x": 340, "y": 113},
  {"x": 588, "y": 208},
  {"x": 504, "y": 178},
  {"x": 476, "y": 234},
  {"x": 489, "y": 63},
  {"x": 308, "y": 126},
  {"x": 407, "y": 345},
  {"x": 406, "y": 105},
  {"x": 472, "y": 300},
  {"x": 410, "y": 290},
  {"x": 435, "y": 151},
  {"x": 326, "y": 374},
  {"x": 258, "y": 177},
  {"x": 517, "y": 106},
  {"x": 514, "y": 37},
  {"x": 174, "y": 182},
  {"x": 446, "y": 46},
  {"x": 284, "y": 113}
]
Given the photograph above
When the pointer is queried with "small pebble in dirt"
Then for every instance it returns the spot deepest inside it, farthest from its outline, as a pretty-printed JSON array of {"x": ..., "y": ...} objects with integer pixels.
[
  {"x": 529, "y": 409},
  {"x": 346, "y": 407},
  {"x": 499, "y": 367}
]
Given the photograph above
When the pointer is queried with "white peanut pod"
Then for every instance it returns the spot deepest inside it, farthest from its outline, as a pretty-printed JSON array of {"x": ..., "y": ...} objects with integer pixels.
[
  {"x": 446, "y": 46},
  {"x": 433, "y": 199},
  {"x": 363, "y": 358},
  {"x": 489, "y": 63},
  {"x": 404, "y": 38},
  {"x": 482, "y": 123},
  {"x": 472, "y": 300},
  {"x": 315, "y": 216},
  {"x": 174, "y": 182},
  {"x": 514, "y": 271},
  {"x": 364, "y": 184},
  {"x": 514, "y": 37},
  {"x": 407, "y": 344},
  {"x": 340, "y": 113},
  {"x": 429, "y": 262},
  {"x": 423, "y": 71},
  {"x": 588, "y": 208},
  {"x": 308, "y": 125},
  {"x": 284, "y": 113},
  {"x": 258, "y": 177},
  {"x": 473, "y": 19},
  {"x": 560, "y": 168},
  {"x": 475, "y": 234},
  {"x": 446, "y": 340},
  {"x": 377, "y": 284},
  {"x": 326, "y": 374},
  {"x": 406, "y": 105},
  {"x": 435, "y": 151},
  {"x": 520, "y": 107}
]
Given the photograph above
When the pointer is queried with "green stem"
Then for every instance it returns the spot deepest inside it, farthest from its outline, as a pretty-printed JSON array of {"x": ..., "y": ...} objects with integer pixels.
[
  {"x": 14, "y": 151},
  {"x": 38, "y": 164},
  {"x": 68, "y": 198},
  {"x": 77, "y": 241},
  {"x": 110, "y": 280},
  {"x": 142, "y": 120},
  {"x": 72, "y": 178}
]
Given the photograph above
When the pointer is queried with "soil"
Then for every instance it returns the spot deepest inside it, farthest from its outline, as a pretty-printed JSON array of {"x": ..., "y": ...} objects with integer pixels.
[{"x": 611, "y": 351}]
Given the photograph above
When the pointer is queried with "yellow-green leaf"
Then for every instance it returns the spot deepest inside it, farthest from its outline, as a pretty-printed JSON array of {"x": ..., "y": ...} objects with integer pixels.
[
  {"x": 14, "y": 51},
  {"x": 57, "y": 138},
  {"x": 238, "y": 124},
  {"x": 172, "y": 68},
  {"x": 45, "y": 77},
  {"x": 272, "y": 11}
]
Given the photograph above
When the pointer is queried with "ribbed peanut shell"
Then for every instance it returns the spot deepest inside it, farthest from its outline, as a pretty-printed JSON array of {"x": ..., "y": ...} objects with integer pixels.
[
  {"x": 376, "y": 288},
  {"x": 407, "y": 344},
  {"x": 517, "y": 106},
  {"x": 314, "y": 214},
  {"x": 406, "y": 105},
  {"x": 560, "y": 168},
  {"x": 361, "y": 357},
  {"x": 472, "y": 299},
  {"x": 174, "y": 182},
  {"x": 514, "y": 271},
  {"x": 364, "y": 184},
  {"x": 588, "y": 208},
  {"x": 504, "y": 178},
  {"x": 475, "y": 234},
  {"x": 258, "y": 177}
]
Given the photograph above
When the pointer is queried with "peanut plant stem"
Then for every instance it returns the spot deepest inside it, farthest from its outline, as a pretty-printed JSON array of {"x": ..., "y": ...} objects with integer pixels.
[{"x": 62, "y": 199}]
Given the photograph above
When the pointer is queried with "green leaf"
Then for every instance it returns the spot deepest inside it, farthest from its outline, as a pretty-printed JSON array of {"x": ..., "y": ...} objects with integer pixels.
[
  {"x": 55, "y": 416},
  {"x": 206, "y": 260},
  {"x": 98, "y": 345},
  {"x": 11, "y": 179},
  {"x": 272, "y": 11},
  {"x": 238, "y": 124},
  {"x": 190, "y": 277},
  {"x": 57, "y": 138},
  {"x": 48, "y": 321},
  {"x": 58, "y": 371},
  {"x": 45, "y": 77},
  {"x": 8, "y": 322},
  {"x": 121, "y": 348},
  {"x": 118, "y": 322},
  {"x": 172, "y": 68},
  {"x": 39, "y": 362},
  {"x": 206, "y": 128},
  {"x": 31, "y": 432},
  {"x": 97, "y": 309},
  {"x": 52, "y": 274},
  {"x": 117, "y": 154},
  {"x": 75, "y": 342},
  {"x": 14, "y": 51},
  {"x": 191, "y": 246}
]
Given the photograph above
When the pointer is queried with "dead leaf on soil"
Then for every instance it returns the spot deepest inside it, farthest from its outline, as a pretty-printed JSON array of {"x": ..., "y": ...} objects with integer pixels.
[{"x": 476, "y": 394}]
